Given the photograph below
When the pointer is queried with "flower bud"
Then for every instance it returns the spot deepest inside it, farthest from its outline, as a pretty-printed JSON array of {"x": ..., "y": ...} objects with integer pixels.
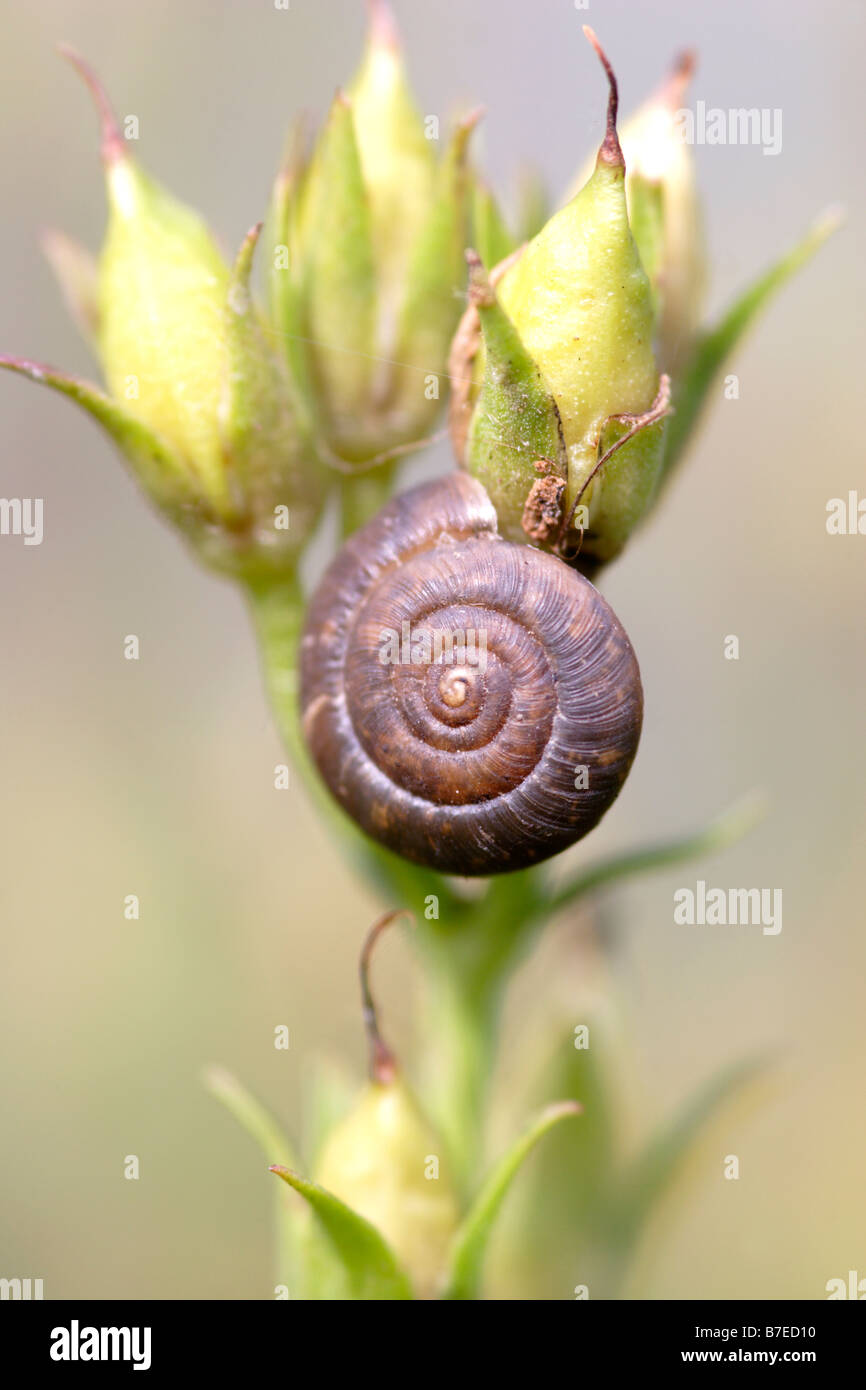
[
  {"x": 369, "y": 240},
  {"x": 198, "y": 399},
  {"x": 385, "y": 1162},
  {"x": 580, "y": 310}
]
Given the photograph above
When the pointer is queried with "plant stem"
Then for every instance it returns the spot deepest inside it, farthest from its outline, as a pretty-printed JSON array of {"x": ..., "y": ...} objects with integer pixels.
[
  {"x": 469, "y": 956},
  {"x": 461, "y": 1034},
  {"x": 278, "y": 615},
  {"x": 362, "y": 495}
]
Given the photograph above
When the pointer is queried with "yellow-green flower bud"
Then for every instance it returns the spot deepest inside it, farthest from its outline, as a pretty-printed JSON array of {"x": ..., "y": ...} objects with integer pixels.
[
  {"x": 385, "y": 1162},
  {"x": 580, "y": 308},
  {"x": 198, "y": 397},
  {"x": 368, "y": 242}
]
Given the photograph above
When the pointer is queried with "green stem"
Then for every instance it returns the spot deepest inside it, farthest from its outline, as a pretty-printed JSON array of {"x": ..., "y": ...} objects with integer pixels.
[
  {"x": 469, "y": 955},
  {"x": 461, "y": 1028},
  {"x": 278, "y": 615},
  {"x": 362, "y": 495}
]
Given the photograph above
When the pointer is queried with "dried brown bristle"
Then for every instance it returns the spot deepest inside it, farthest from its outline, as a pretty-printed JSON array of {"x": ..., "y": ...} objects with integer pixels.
[
  {"x": 610, "y": 151},
  {"x": 383, "y": 1064},
  {"x": 113, "y": 144}
]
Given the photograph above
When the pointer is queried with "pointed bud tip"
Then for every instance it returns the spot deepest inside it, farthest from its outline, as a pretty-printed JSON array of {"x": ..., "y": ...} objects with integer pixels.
[
  {"x": 242, "y": 269},
  {"x": 560, "y": 1108},
  {"x": 472, "y": 118},
  {"x": 673, "y": 91},
  {"x": 53, "y": 242},
  {"x": 610, "y": 152},
  {"x": 382, "y": 25},
  {"x": 685, "y": 64},
  {"x": 463, "y": 132},
  {"x": 829, "y": 221},
  {"x": 294, "y": 149},
  {"x": 113, "y": 145}
]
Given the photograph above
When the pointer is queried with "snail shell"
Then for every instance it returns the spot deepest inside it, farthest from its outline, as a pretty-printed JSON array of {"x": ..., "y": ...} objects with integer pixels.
[{"x": 494, "y": 755}]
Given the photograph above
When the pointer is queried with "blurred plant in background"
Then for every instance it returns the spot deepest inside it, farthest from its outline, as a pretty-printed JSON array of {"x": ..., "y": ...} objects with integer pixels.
[{"x": 579, "y": 371}]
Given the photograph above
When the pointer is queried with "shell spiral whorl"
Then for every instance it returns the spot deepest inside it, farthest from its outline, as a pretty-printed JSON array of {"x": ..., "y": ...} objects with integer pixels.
[{"x": 454, "y": 686}]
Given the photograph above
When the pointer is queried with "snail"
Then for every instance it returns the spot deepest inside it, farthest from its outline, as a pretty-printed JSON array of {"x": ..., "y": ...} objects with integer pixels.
[{"x": 474, "y": 704}]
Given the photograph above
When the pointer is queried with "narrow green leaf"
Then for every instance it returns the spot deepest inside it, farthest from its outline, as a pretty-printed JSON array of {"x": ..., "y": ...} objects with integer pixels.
[
  {"x": 654, "y": 1171},
  {"x": 725, "y": 830},
  {"x": 371, "y": 1268},
  {"x": 578, "y": 1161},
  {"x": 251, "y": 1115},
  {"x": 160, "y": 469},
  {"x": 271, "y": 1139},
  {"x": 557, "y": 1230},
  {"x": 269, "y": 1135},
  {"x": 470, "y": 1244},
  {"x": 690, "y": 393}
]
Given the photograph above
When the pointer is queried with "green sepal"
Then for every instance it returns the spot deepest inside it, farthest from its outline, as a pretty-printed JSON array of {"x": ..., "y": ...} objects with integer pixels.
[
  {"x": 159, "y": 469},
  {"x": 162, "y": 288},
  {"x": 470, "y": 1243},
  {"x": 339, "y": 278},
  {"x": 515, "y": 421},
  {"x": 716, "y": 345},
  {"x": 646, "y": 213},
  {"x": 623, "y": 490},
  {"x": 281, "y": 241},
  {"x": 263, "y": 449},
  {"x": 368, "y": 1263},
  {"x": 432, "y": 305},
  {"x": 397, "y": 159}
]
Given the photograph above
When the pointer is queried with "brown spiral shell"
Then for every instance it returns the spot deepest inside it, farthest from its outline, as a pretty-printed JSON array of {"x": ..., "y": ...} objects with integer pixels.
[{"x": 468, "y": 767}]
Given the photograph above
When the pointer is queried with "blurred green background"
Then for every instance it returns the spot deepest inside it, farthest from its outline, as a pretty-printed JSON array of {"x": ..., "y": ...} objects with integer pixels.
[{"x": 156, "y": 777}]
